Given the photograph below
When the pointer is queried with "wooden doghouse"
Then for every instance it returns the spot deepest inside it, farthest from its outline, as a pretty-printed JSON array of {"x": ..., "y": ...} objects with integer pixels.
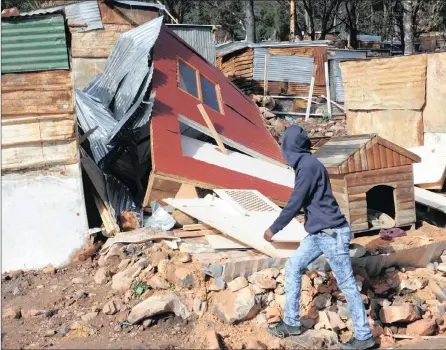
[{"x": 369, "y": 172}]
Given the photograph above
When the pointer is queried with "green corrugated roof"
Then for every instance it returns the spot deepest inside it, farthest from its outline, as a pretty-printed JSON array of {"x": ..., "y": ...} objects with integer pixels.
[{"x": 34, "y": 44}]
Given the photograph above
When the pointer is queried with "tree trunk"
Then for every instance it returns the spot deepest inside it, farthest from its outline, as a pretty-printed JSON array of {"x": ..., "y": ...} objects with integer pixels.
[
  {"x": 352, "y": 24},
  {"x": 292, "y": 20},
  {"x": 408, "y": 27},
  {"x": 250, "y": 21}
]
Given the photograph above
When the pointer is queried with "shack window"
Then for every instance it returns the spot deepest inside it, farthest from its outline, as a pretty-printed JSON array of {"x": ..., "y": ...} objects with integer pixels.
[
  {"x": 209, "y": 92},
  {"x": 188, "y": 79},
  {"x": 197, "y": 85}
]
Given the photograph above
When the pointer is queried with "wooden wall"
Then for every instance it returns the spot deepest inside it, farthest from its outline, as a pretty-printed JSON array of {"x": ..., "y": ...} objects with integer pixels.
[
  {"x": 38, "y": 120},
  {"x": 400, "y": 178},
  {"x": 339, "y": 188},
  {"x": 238, "y": 67}
]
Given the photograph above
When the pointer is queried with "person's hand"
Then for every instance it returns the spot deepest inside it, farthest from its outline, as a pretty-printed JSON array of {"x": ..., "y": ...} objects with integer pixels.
[{"x": 268, "y": 235}]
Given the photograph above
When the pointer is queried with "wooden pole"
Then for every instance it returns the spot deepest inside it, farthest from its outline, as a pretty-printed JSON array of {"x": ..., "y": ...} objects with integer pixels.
[
  {"x": 168, "y": 13},
  {"x": 310, "y": 95},
  {"x": 211, "y": 127},
  {"x": 292, "y": 20},
  {"x": 327, "y": 87},
  {"x": 265, "y": 76}
]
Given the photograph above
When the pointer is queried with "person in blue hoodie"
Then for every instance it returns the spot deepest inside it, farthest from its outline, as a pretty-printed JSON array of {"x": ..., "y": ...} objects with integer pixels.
[{"x": 328, "y": 234}]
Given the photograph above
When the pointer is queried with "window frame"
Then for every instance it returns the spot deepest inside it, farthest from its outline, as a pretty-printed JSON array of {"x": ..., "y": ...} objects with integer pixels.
[{"x": 198, "y": 75}]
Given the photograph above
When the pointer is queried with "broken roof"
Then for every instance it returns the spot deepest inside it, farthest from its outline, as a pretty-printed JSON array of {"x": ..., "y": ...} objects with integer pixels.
[
  {"x": 229, "y": 47},
  {"x": 348, "y": 154}
]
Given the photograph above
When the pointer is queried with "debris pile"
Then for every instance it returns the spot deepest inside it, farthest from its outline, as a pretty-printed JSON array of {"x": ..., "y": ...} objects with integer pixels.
[
  {"x": 150, "y": 280},
  {"x": 318, "y": 127}
]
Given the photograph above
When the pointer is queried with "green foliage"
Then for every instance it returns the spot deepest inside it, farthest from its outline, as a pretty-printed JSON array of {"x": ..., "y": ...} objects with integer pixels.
[
  {"x": 22, "y": 5},
  {"x": 326, "y": 117},
  {"x": 139, "y": 288}
]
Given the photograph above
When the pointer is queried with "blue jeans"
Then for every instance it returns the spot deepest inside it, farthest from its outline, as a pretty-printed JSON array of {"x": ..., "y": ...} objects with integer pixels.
[{"x": 335, "y": 247}]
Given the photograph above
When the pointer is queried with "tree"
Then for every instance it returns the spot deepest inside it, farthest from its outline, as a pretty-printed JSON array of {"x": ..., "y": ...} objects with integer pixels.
[
  {"x": 250, "y": 23},
  {"x": 351, "y": 21},
  {"x": 409, "y": 11},
  {"x": 178, "y": 8}
]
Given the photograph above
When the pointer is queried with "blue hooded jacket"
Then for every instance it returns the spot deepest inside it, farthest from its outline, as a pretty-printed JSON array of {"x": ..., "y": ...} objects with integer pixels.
[{"x": 312, "y": 189}]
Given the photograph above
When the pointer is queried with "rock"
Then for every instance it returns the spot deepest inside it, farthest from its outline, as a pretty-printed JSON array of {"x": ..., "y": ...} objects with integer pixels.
[
  {"x": 238, "y": 283},
  {"x": 280, "y": 300},
  {"x": 422, "y": 327},
  {"x": 404, "y": 313},
  {"x": 350, "y": 325},
  {"x": 173, "y": 245},
  {"x": 331, "y": 320},
  {"x": 124, "y": 264},
  {"x": 11, "y": 313},
  {"x": 110, "y": 308},
  {"x": 156, "y": 305},
  {"x": 256, "y": 289},
  {"x": 16, "y": 291},
  {"x": 80, "y": 294},
  {"x": 254, "y": 344},
  {"x": 156, "y": 282},
  {"x": 381, "y": 288},
  {"x": 28, "y": 313},
  {"x": 266, "y": 113},
  {"x": 412, "y": 285},
  {"x": 212, "y": 341},
  {"x": 123, "y": 279},
  {"x": 200, "y": 306},
  {"x": 16, "y": 273},
  {"x": 78, "y": 280},
  {"x": 343, "y": 312},
  {"x": 437, "y": 291},
  {"x": 307, "y": 323},
  {"x": 80, "y": 330},
  {"x": 213, "y": 270},
  {"x": 88, "y": 317},
  {"x": 100, "y": 276},
  {"x": 49, "y": 270},
  {"x": 273, "y": 315},
  {"x": 50, "y": 333},
  {"x": 233, "y": 307},
  {"x": 261, "y": 319},
  {"x": 279, "y": 126},
  {"x": 122, "y": 316},
  {"x": 180, "y": 276},
  {"x": 264, "y": 279},
  {"x": 443, "y": 258},
  {"x": 216, "y": 285},
  {"x": 185, "y": 258},
  {"x": 430, "y": 267},
  {"x": 442, "y": 267},
  {"x": 313, "y": 339},
  {"x": 268, "y": 102},
  {"x": 157, "y": 257},
  {"x": 322, "y": 301},
  {"x": 147, "y": 323}
]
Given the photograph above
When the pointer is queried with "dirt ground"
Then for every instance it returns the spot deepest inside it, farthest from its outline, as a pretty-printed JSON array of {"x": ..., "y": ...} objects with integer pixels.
[{"x": 59, "y": 297}]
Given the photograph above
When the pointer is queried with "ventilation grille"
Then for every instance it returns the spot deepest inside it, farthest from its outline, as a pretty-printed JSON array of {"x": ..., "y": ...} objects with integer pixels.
[{"x": 248, "y": 201}]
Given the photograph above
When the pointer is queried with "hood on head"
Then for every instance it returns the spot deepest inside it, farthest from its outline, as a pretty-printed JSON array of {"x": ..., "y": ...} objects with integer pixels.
[{"x": 295, "y": 144}]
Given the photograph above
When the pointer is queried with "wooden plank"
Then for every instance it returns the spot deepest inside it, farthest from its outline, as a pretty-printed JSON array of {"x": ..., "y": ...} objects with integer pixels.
[
  {"x": 382, "y": 156},
  {"x": 396, "y": 159},
  {"x": 187, "y": 191},
  {"x": 193, "y": 234},
  {"x": 358, "y": 205},
  {"x": 389, "y": 157},
  {"x": 370, "y": 156},
  {"x": 402, "y": 151},
  {"x": 338, "y": 189},
  {"x": 358, "y": 212},
  {"x": 211, "y": 127},
  {"x": 407, "y": 169},
  {"x": 378, "y": 180},
  {"x": 357, "y": 197},
  {"x": 109, "y": 222},
  {"x": 219, "y": 242},
  {"x": 430, "y": 199},
  {"x": 327, "y": 87},
  {"x": 376, "y": 154},
  {"x": 404, "y": 205},
  {"x": 395, "y": 184},
  {"x": 96, "y": 176},
  {"x": 310, "y": 94},
  {"x": 357, "y": 159},
  {"x": 194, "y": 227},
  {"x": 363, "y": 155},
  {"x": 265, "y": 75}
]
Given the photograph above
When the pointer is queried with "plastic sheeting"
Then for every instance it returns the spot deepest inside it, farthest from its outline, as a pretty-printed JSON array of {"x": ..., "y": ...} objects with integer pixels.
[{"x": 160, "y": 219}]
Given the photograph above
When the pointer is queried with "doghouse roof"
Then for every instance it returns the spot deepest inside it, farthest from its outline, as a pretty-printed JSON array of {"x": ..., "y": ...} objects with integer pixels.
[{"x": 350, "y": 154}]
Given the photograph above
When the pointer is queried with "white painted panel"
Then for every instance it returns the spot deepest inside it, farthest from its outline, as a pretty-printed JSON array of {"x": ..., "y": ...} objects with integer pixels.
[
  {"x": 435, "y": 139},
  {"x": 43, "y": 217},
  {"x": 238, "y": 162},
  {"x": 248, "y": 230},
  {"x": 432, "y": 167},
  {"x": 430, "y": 199},
  {"x": 218, "y": 242}
]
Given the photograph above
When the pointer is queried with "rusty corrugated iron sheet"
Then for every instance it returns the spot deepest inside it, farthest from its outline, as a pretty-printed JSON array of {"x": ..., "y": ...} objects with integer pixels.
[{"x": 34, "y": 43}]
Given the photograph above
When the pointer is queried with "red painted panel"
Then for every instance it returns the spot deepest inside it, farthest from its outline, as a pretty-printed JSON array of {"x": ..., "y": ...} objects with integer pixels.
[{"x": 244, "y": 125}]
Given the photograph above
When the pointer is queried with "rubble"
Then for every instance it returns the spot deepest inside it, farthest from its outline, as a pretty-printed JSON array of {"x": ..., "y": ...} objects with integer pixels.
[
  {"x": 238, "y": 306},
  {"x": 156, "y": 305},
  {"x": 422, "y": 327},
  {"x": 403, "y": 313},
  {"x": 237, "y": 284}
]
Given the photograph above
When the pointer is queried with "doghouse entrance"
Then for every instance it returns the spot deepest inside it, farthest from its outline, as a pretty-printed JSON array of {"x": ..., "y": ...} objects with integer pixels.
[{"x": 381, "y": 199}]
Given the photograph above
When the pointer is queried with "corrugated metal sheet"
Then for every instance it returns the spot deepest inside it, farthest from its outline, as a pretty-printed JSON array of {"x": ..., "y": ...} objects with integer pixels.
[
  {"x": 34, "y": 44},
  {"x": 78, "y": 13},
  {"x": 295, "y": 69},
  {"x": 336, "y": 87},
  {"x": 346, "y": 54},
  {"x": 229, "y": 47},
  {"x": 370, "y": 38},
  {"x": 199, "y": 37},
  {"x": 139, "y": 4}
]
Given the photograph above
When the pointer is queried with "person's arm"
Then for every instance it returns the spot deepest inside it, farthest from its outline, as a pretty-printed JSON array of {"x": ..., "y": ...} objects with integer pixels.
[{"x": 302, "y": 187}]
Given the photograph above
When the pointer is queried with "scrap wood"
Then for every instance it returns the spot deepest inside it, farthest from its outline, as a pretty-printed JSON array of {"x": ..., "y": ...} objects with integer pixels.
[
  {"x": 90, "y": 251},
  {"x": 192, "y": 234},
  {"x": 307, "y": 113},
  {"x": 404, "y": 336},
  {"x": 335, "y": 104},
  {"x": 219, "y": 242},
  {"x": 140, "y": 235},
  {"x": 196, "y": 227},
  {"x": 108, "y": 220},
  {"x": 211, "y": 127}
]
